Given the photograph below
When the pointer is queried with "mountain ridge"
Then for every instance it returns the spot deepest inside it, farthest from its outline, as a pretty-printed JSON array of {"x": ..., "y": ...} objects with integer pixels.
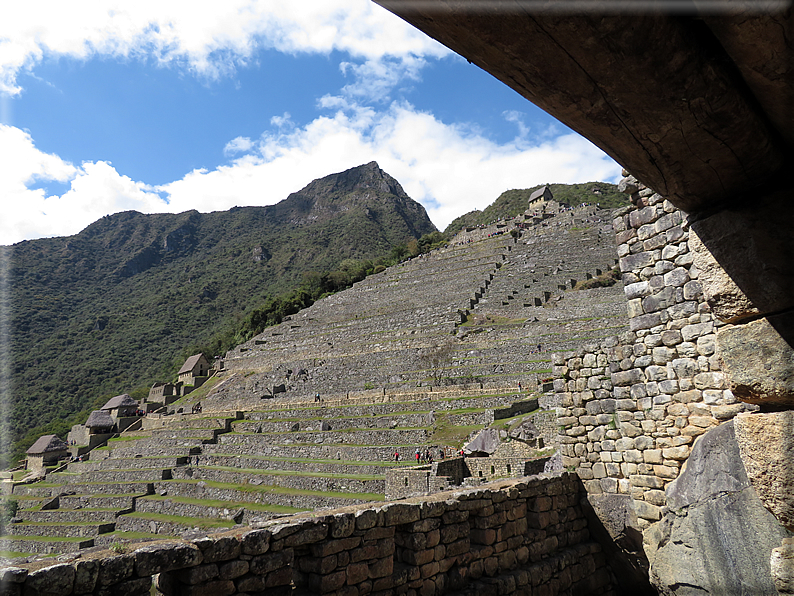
[{"x": 117, "y": 305}]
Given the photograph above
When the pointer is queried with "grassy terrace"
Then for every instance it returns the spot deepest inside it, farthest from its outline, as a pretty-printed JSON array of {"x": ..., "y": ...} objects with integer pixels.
[
  {"x": 269, "y": 489},
  {"x": 219, "y": 504},
  {"x": 203, "y": 522},
  {"x": 88, "y": 509},
  {"x": 371, "y": 417},
  {"x": 46, "y": 538},
  {"x": 258, "y": 472},
  {"x": 346, "y": 462},
  {"x": 423, "y": 402},
  {"x": 61, "y": 524}
]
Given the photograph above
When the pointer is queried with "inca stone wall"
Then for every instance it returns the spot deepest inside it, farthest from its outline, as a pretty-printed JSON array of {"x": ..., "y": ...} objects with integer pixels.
[
  {"x": 526, "y": 536},
  {"x": 632, "y": 405}
]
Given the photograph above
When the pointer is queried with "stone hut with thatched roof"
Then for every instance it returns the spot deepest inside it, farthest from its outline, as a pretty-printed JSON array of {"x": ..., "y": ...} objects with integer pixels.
[
  {"x": 123, "y": 410},
  {"x": 99, "y": 427},
  {"x": 46, "y": 451},
  {"x": 100, "y": 422}
]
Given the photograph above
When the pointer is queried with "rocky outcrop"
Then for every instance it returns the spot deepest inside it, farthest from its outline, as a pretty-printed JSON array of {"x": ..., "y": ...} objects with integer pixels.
[{"x": 717, "y": 537}]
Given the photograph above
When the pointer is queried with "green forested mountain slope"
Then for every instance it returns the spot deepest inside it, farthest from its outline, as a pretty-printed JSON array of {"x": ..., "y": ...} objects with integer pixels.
[
  {"x": 513, "y": 202},
  {"x": 117, "y": 305}
]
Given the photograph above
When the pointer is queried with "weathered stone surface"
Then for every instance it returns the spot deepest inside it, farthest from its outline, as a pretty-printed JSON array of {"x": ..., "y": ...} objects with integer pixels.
[
  {"x": 57, "y": 580},
  {"x": 165, "y": 557},
  {"x": 719, "y": 537},
  {"x": 596, "y": 77},
  {"x": 759, "y": 359},
  {"x": 766, "y": 445},
  {"x": 782, "y": 564},
  {"x": 744, "y": 258}
]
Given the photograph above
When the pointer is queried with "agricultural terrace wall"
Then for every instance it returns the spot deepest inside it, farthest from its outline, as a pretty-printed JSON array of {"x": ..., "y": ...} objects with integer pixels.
[
  {"x": 630, "y": 406},
  {"x": 526, "y": 536}
]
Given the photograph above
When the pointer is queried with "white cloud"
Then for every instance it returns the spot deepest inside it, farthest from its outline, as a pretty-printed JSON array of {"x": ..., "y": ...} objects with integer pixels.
[
  {"x": 448, "y": 168},
  {"x": 96, "y": 189},
  {"x": 445, "y": 167},
  {"x": 210, "y": 41},
  {"x": 238, "y": 145}
]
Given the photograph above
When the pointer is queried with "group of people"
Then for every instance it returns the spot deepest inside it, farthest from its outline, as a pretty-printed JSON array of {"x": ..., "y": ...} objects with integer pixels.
[
  {"x": 422, "y": 456},
  {"x": 196, "y": 409}
]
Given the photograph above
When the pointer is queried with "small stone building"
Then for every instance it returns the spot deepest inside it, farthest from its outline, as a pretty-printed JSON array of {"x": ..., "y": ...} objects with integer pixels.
[
  {"x": 163, "y": 393},
  {"x": 46, "y": 451},
  {"x": 540, "y": 196},
  {"x": 123, "y": 410},
  {"x": 100, "y": 422},
  {"x": 195, "y": 370}
]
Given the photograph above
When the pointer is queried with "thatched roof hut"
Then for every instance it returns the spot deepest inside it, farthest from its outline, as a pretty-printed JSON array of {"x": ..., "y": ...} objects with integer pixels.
[
  {"x": 99, "y": 420},
  {"x": 47, "y": 444},
  {"x": 120, "y": 401}
]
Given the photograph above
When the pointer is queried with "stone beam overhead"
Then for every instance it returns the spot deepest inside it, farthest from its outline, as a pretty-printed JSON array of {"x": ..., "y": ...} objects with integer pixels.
[{"x": 662, "y": 94}]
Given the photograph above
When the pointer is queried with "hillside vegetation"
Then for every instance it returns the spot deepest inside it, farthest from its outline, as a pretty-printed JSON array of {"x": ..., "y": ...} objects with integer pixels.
[
  {"x": 513, "y": 202},
  {"x": 122, "y": 303}
]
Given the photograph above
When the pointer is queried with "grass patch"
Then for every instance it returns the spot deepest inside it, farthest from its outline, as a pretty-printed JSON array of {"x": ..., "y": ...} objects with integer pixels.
[
  {"x": 258, "y": 472},
  {"x": 204, "y": 522},
  {"x": 47, "y": 538},
  {"x": 269, "y": 489},
  {"x": 10, "y": 554},
  {"x": 226, "y": 504}
]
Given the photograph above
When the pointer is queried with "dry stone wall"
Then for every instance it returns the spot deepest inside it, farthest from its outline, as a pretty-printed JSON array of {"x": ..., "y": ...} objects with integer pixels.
[
  {"x": 526, "y": 536},
  {"x": 631, "y": 406}
]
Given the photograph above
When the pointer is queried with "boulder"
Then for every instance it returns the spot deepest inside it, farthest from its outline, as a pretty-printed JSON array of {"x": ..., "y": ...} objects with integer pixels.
[
  {"x": 759, "y": 359},
  {"x": 717, "y": 537},
  {"x": 766, "y": 446},
  {"x": 485, "y": 442}
]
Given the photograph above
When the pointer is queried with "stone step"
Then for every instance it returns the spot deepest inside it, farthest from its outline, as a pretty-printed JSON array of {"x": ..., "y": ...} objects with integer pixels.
[
  {"x": 169, "y": 525},
  {"x": 137, "y": 449},
  {"x": 211, "y": 420},
  {"x": 107, "y": 488},
  {"x": 310, "y": 481},
  {"x": 60, "y": 530},
  {"x": 327, "y": 466},
  {"x": 378, "y": 404},
  {"x": 69, "y": 515},
  {"x": 39, "y": 490},
  {"x": 314, "y": 424},
  {"x": 341, "y": 452},
  {"x": 128, "y": 463},
  {"x": 115, "y": 475},
  {"x": 211, "y": 509},
  {"x": 417, "y": 436},
  {"x": 90, "y": 501},
  {"x": 43, "y": 545},
  {"x": 205, "y": 434},
  {"x": 263, "y": 495}
]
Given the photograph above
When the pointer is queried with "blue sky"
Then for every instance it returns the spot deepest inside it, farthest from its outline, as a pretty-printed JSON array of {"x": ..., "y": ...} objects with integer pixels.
[{"x": 109, "y": 105}]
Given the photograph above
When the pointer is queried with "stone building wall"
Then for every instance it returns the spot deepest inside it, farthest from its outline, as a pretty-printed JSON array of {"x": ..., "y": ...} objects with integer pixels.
[
  {"x": 526, "y": 536},
  {"x": 631, "y": 406}
]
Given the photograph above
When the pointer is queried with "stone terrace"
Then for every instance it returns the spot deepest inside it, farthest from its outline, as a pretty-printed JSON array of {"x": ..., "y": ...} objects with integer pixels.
[
  {"x": 377, "y": 333},
  {"x": 184, "y": 472},
  {"x": 270, "y": 457}
]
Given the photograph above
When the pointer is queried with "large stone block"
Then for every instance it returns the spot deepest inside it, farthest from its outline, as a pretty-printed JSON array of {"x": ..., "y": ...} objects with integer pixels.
[
  {"x": 766, "y": 445},
  {"x": 157, "y": 558},
  {"x": 744, "y": 256},
  {"x": 759, "y": 359}
]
